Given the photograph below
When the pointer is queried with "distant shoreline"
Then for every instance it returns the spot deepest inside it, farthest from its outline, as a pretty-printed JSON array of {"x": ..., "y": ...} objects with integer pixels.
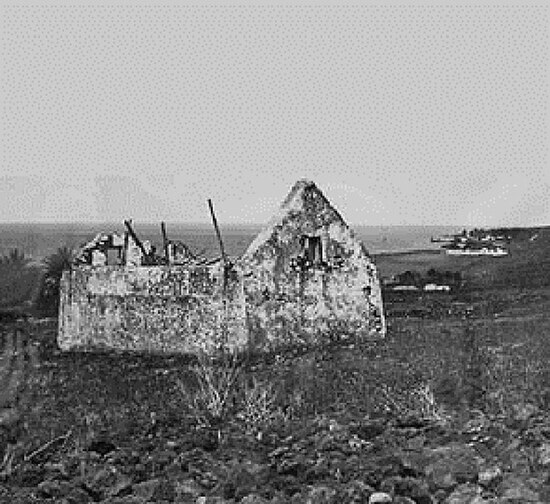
[
  {"x": 407, "y": 252},
  {"x": 222, "y": 224},
  {"x": 37, "y": 241}
]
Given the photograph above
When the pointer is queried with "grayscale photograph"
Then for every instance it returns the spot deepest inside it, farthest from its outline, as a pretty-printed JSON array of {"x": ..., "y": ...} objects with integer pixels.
[{"x": 270, "y": 253}]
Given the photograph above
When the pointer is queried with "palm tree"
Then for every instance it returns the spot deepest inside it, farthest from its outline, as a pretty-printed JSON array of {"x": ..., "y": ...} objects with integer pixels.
[
  {"x": 15, "y": 259},
  {"x": 54, "y": 266}
]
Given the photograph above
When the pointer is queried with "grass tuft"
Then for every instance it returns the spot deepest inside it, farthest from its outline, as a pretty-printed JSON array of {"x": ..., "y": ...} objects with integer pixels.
[{"x": 212, "y": 395}]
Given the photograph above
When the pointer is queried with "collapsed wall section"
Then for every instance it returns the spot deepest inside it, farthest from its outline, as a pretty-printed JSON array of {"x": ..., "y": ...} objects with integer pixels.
[{"x": 151, "y": 309}]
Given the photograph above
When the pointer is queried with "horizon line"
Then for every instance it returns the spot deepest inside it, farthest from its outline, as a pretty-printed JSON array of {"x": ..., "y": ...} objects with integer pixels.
[{"x": 252, "y": 224}]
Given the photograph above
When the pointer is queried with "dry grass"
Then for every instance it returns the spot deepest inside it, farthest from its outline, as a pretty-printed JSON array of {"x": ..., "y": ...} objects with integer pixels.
[
  {"x": 424, "y": 368},
  {"x": 212, "y": 394}
]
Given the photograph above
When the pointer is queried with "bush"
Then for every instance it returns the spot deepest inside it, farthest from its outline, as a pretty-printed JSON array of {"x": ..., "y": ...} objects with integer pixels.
[
  {"x": 258, "y": 406},
  {"x": 47, "y": 301},
  {"x": 212, "y": 396},
  {"x": 15, "y": 259},
  {"x": 19, "y": 280},
  {"x": 420, "y": 403}
]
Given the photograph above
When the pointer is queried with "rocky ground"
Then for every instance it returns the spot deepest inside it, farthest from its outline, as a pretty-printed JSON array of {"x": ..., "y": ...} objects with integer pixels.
[
  {"x": 329, "y": 458},
  {"x": 121, "y": 429}
]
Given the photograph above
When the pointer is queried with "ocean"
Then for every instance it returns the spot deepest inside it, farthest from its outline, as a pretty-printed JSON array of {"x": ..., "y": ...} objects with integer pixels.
[{"x": 37, "y": 241}]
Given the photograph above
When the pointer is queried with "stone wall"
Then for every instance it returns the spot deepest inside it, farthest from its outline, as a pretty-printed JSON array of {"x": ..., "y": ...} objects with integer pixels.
[
  {"x": 307, "y": 277},
  {"x": 179, "y": 309},
  {"x": 286, "y": 303},
  {"x": 151, "y": 309},
  {"x": 304, "y": 279}
]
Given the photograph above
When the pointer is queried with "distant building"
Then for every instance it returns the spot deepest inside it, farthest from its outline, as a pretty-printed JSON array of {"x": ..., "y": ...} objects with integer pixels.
[
  {"x": 493, "y": 251},
  {"x": 405, "y": 288},
  {"x": 432, "y": 287}
]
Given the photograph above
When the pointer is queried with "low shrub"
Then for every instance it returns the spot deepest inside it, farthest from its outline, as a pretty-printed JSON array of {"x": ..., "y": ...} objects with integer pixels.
[
  {"x": 47, "y": 300},
  {"x": 260, "y": 407},
  {"x": 212, "y": 395},
  {"x": 19, "y": 281}
]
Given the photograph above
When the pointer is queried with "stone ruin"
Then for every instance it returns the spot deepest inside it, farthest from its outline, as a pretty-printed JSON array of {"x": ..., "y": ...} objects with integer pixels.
[{"x": 304, "y": 280}]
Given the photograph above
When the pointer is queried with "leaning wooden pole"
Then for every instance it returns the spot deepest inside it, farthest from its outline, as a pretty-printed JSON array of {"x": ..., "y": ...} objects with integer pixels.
[
  {"x": 223, "y": 328},
  {"x": 134, "y": 236},
  {"x": 165, "y": 242},
  {"x": 218, "y": 234}
]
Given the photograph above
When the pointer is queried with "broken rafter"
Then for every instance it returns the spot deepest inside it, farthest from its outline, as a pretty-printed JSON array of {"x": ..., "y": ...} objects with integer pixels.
[
  {"x": 218, "y": 234},
  {"x": 134, "y": 236},
  {"x": 165, "y": 242}
]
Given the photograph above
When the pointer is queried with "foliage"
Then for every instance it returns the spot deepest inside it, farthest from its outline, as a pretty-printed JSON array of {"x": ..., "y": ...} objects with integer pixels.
[
  {"x": 54, "y": 266},
  {"x": 19, "y": 280},
  {"x": 15, "y": 259},
  {"x": 258, "y": 405},
  {"x": 215, "y": 387},
  {"x": 409, "y": 278},
  {"x": 420, "y": 402},
  {"x": 418, "y": 279},
  {"x": 18, "y": 287}
]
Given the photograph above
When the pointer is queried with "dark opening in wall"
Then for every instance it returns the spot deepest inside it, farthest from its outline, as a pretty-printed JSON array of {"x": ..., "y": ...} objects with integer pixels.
[
  {"x": 115, "y": 256},
  {"x": 312, "y": 249}
]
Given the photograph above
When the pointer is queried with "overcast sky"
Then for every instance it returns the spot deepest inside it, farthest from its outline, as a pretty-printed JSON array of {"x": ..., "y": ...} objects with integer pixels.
[{"x": 402, "y": 115}]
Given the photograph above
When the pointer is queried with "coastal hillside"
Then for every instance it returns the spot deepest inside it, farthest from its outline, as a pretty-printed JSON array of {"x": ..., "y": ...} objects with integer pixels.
[
  {"x": 527, "y": 264},
  {"x": 451, "y": 407}
]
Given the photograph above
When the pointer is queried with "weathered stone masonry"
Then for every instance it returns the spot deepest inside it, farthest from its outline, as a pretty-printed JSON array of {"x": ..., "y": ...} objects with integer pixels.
[
  {"x": 303, "y": 279},
  {"x": 154, "y": 309},
  {"x": 306, "y": 276}
]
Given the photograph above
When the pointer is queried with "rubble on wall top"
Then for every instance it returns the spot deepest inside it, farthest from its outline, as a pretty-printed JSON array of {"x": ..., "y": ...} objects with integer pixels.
[
  {"x": 305, "y": 212},
  {"x": 126, "y": 249}
]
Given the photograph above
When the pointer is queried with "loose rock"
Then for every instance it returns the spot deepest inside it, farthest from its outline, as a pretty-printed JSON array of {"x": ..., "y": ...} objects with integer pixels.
[{"x": 380, "y": 498}]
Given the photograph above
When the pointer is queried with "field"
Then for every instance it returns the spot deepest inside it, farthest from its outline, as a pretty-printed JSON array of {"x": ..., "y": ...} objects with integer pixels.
[{"x": 451, "y": 407}]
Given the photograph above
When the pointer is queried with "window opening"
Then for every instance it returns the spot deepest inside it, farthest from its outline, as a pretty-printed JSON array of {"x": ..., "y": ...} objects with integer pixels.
[{"x": 312, "y": 249}]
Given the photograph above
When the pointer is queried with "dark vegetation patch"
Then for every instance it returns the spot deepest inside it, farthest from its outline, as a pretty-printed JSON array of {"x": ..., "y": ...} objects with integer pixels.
[{"x": 19, "y": 285}]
